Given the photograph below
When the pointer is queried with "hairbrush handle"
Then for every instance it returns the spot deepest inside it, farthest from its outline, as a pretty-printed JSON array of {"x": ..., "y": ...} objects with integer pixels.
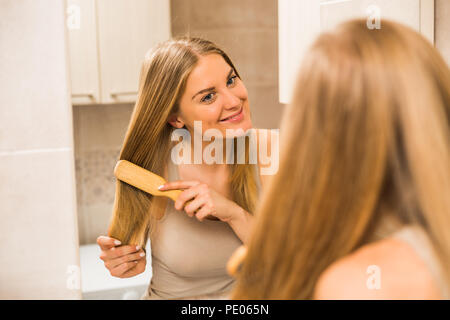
[{"x": 143, "y": 179}]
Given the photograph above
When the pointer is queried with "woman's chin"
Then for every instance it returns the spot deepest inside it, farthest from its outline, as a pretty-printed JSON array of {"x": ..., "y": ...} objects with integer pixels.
[{"x": 247, "y": 126}]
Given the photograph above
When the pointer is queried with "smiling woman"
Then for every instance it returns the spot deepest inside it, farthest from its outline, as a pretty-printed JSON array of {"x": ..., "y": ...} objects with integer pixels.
[
  {"x": 222, "y": 106},
  {"x": 183, "y": 80}
]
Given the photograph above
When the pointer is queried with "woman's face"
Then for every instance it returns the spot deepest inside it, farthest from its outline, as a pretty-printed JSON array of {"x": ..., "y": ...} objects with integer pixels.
[{"x": 215, "y": 96}]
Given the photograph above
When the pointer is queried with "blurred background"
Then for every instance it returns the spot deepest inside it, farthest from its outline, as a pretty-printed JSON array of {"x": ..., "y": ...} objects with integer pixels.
[{"x": 68, "y": 81}]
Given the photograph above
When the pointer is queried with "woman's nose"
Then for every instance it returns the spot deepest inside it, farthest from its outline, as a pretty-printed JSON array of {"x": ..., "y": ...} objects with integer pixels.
[{"x": 231, "y": 100}]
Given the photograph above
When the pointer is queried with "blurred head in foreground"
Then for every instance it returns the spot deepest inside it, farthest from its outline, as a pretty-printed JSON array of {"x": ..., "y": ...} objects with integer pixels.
[{"x": 365, "y": 138}]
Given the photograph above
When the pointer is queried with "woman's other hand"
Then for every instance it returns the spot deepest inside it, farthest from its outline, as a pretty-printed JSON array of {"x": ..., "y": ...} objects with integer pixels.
[{"x": 122, "y": 261}]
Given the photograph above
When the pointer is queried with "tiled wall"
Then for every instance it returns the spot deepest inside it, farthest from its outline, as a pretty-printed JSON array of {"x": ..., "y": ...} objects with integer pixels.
[
  {"x": 99, "y": 133},
  {"x": 38, "y": 232}
]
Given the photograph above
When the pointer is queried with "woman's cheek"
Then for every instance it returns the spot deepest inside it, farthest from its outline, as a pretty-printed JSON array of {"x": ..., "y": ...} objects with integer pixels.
[
  {"x": 212, "y": 114},
  {"x": 205, "y": 115}
]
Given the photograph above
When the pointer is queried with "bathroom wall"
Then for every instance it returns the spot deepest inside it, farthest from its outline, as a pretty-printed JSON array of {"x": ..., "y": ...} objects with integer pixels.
[
  {"x": 246, "y": 30},
  {"x": 99, "y": 131},
  {"x": 38, "y": 231}
]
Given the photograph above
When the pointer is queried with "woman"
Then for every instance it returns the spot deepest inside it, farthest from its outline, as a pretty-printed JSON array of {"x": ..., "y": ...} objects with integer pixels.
[
  {"x": 183, "y": 80},
  {"x": 364, "y": 211}
]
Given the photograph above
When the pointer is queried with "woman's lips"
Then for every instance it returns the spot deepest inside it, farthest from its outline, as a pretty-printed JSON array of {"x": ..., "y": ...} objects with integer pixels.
[{"x": 235, "y": 118}]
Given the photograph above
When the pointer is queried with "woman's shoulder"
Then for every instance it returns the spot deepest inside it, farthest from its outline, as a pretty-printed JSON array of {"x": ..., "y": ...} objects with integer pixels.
[{"x": 385, "y": 269}]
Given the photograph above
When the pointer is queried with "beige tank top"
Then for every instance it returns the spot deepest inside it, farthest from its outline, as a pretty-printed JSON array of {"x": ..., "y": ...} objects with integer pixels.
[
  {"x": 416, "y": 237},
  {"x": 189, "y": 257}
]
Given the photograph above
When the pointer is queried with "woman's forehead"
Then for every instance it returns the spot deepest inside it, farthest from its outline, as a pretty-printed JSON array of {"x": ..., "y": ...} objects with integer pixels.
[{"x": 208, "y": 70}]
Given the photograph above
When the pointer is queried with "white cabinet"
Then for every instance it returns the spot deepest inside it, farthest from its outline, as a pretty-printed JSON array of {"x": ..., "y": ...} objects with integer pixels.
[
  {"x": 301, "y": 21},
  {"x": 83, "y": 52},
  {"x": 108, "y": 40}
]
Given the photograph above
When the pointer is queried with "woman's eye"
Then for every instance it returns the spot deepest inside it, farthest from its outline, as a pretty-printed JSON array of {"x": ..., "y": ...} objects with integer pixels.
[
  {"x": 232, "y": 78},
  {"x": 205, "y": 98},
  {"x": 209, "y": 96}
]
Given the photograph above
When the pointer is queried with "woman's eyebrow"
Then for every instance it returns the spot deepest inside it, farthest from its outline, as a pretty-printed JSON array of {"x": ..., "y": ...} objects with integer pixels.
[{"x": 212, "y": 88}]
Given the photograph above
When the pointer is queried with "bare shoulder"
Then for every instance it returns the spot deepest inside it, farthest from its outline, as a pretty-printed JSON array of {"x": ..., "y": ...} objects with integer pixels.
[{"x": 386, "y": 269}]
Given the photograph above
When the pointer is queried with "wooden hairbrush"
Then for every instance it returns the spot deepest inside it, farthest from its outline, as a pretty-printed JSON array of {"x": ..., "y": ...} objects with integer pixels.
[{"x": 145, "y": 180}]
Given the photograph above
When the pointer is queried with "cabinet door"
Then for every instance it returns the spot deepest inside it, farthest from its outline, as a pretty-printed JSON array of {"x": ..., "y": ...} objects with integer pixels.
[
  {"x": 127, "y": 30},
  {"x": 83, "y": 55},
  {"x": 301, "y": 21}
]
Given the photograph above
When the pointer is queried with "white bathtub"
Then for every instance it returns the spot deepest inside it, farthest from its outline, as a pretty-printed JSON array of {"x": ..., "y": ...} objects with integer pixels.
[{"x": 98, "y": 284}]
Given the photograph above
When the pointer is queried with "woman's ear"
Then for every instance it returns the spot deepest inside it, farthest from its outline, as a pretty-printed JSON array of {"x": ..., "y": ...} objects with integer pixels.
[{"x": 175, "y": 121}]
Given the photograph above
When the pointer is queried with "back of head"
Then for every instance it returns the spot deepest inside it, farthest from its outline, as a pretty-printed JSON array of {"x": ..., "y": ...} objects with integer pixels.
[{"x": 367, "y": 133}]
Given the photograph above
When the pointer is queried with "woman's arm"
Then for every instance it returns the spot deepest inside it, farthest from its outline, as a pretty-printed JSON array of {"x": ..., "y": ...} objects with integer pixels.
[
  {"x": 241, "y": 223},
  {"x": 204, "y": 201}
]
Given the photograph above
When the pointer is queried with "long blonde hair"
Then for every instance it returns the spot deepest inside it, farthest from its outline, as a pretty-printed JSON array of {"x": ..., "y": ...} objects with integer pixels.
[
  {"x": 367, "y": 132},
  {"x": 147, "y": 143}
]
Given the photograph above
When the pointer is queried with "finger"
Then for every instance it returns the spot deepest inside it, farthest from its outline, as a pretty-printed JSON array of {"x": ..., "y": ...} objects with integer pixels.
[
  {"x": 139, "y": 268},
  {"x": 177, "y": 185},
  {"x": 106, "y": 243},
  {"x": 193, "y": 206},
  {"x": 117, "y": 252},
  {"x": 203, "y": 213},
  {"x": 113, "y": 263},
  {"x": 185, "y": 196},
  {"x": 122, "y": 268}
]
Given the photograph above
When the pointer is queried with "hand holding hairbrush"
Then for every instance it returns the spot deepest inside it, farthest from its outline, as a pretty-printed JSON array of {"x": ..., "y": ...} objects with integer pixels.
[{"x": 145, "y": 180}]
